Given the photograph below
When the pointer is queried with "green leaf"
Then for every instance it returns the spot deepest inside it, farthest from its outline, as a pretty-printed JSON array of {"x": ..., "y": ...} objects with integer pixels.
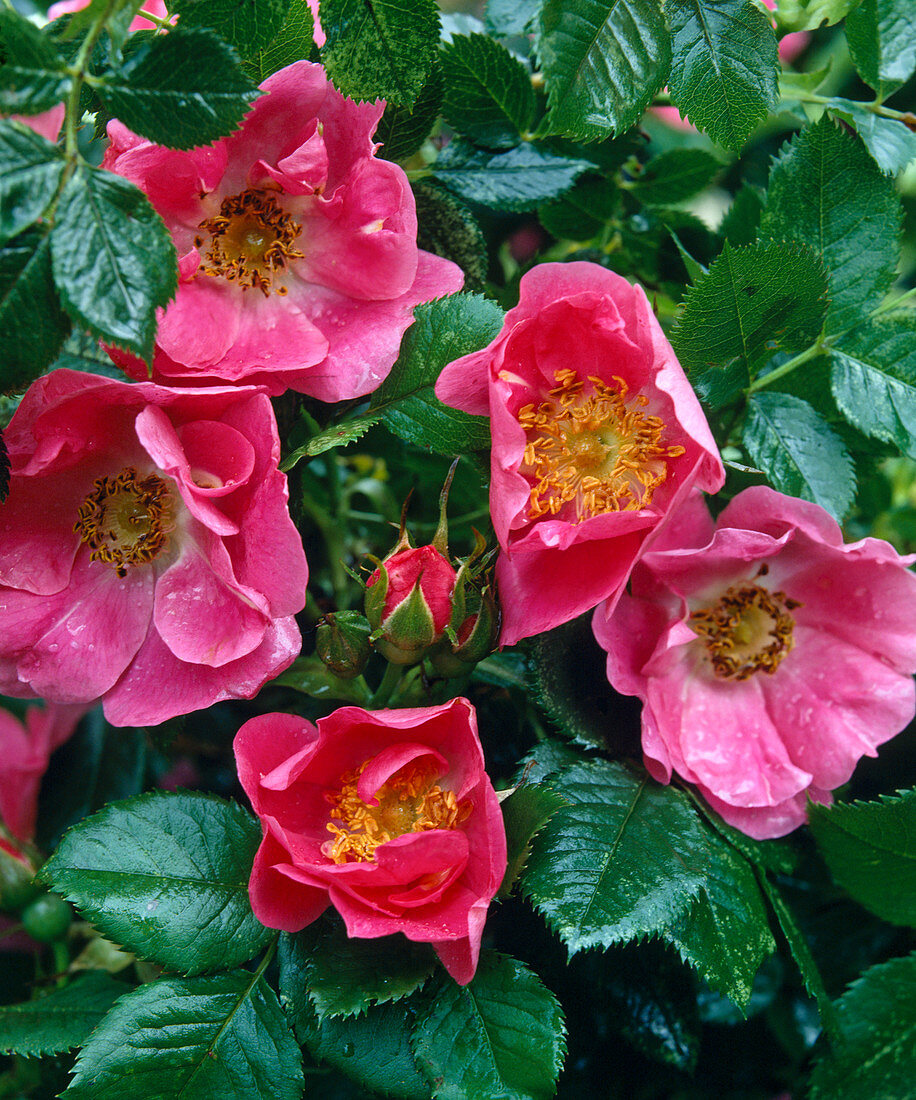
[
  {"x": 510, "y": 18},
  {"x": 311, "y": 676},
  {"x": 443, "y": 330},
  {"x": 114, "y": 262},
  {"x": 889, "y": 140},
  {"x": 372, "y": 1049},
  {"x": 799, "y": 452},
  {"x": 826, "y": 191},
  {"x": 249, "y": 25},
  {"x": 166, "y": 875},
  {"x": 402, "y": 130},
  {"x": 347, "y": 976},
  {"x": 725, "y": 935},
  {"x": 881, "y": 42},
  {"x": 447, "y": 227},
  {"x": 876, "y": 1057},
  {"x": 582, "y": 213},
  {"x": 870, "y": 848},
  {"x": 525, "y": 812},
  {"x": 873, "y": 379},
  {"x": 30, "y": 172},
  {"x": 502, "y": 1035},
  {"x": 32, "y": 324},
  {"x": 33, "y": 78},
  {"x": 520, "y": 179},
  {"x": 603, "y": 61},
  {"x": 723, "y": 72},
  {"x": 60, "y": 1020},
  {"x": 292, "y": 43},
  {"x": 801, "y": 953},
  {"x": 805, "y": 15},
  {"x": 221, "y": 1035},
  {"x": 625, "y": 858},
  {"x": 380, "y": 49},
  {"x": 676, "y": 175},
  {"x": 488, "y": 95},
  {"x": 752, "y": 298},
  {"x": 180, "y": 90},
  {"x": 740, "y": 224},
  {"x": 338, "y": 435}
]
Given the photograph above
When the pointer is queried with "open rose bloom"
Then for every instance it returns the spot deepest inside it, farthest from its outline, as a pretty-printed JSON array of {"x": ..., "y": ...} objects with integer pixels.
[
  {"x": 387, "y": 815},
  {"x": 597, "y": 437},
  {"x": 769, "y": 656},
  {"x": 147, "y": 556},
  {"x": 297, "y": 246}
]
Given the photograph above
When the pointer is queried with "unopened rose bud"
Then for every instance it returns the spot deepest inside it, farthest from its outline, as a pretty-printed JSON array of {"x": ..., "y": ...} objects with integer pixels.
[
  {"x": 343, "y": 643},
  {"x": 16, "y": 886},
  {"x": 409, "y": 603},
  {"x": 474, "y": 639}
]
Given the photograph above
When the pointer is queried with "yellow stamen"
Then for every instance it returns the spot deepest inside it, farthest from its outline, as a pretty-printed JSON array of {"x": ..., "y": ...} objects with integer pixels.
[
  {"x": 251, "y": 241},
  {"x": 410, "y": 802},
  {"x": 747, "y": 630},
  {"x": 592, "y": 446},
  {"x": 126, "y": 520}
]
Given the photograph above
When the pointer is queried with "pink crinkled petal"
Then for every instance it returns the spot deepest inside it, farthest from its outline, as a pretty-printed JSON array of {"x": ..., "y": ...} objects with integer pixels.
[
  {"x": 200, "y": 326},
  {"x": 464, "y": 383},
  {"x": 138, "y": 699},
  {"x": 762, "y": 822},
  {"x": 73, "y": 645},
  {"x": 279, "y": 899},
  {"x": 35, "y": 560}
]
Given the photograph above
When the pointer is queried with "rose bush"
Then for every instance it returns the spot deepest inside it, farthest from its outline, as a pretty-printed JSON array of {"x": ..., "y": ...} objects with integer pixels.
[
  {"x": 388, "y": 816},
  {"x": 597, "y": 437},
  {"x": 769, "y": 655},
  {"x": 297, "y": 246},
  {"x": 146, "y": 553}
]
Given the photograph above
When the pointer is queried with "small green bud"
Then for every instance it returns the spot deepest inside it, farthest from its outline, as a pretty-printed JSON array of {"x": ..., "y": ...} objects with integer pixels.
[{"x": 343, "y": 643}]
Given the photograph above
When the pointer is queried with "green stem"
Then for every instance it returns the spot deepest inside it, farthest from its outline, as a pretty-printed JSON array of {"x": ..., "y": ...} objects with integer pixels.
[
  {"x": 893, "y": 303},
  {"x": 331, "y": 533},
  {"x": 816, "y": 348},
  {"x": 157, "y": 20},
  {"x": 384, "y": 691},
  {"x": 78, "y": 73},
  {"x": 876, "y": 107},
  {"x": 61, "y": 961}
]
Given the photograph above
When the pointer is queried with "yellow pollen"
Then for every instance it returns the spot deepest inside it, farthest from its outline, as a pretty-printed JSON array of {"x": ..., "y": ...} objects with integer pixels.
[
  {"x": 593, "y": 448},
  {"x": 747, "y": 630},
  {"x": 410, "y": 802},
  {"x": 251, "y": 240},
  {"x": 126, "y": 520}
]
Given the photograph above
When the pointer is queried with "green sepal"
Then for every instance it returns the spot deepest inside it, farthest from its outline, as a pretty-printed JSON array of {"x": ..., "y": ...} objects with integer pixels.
[
  {"x": 342, "y": 642},
  {"x": 409, "y": 631}
]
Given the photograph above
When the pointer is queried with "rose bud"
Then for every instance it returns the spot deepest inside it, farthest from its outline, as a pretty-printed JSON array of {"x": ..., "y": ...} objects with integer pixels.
[{"x": 343, "y": 643}]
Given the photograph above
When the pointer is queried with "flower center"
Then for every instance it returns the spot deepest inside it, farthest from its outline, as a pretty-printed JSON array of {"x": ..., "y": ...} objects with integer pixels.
[
  {"x": 410, "y": 802},
  {"x": 747, "y": 630},
  {"x": 126, "y": 520},
  {"x": 594, "y": 448},
  {"x": 251, "y": 241}
]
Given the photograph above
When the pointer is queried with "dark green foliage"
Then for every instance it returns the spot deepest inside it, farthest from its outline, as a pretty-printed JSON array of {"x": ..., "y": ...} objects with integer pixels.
[
  {"x": 32, "y": 324},
  {"x": 889, "y": 140},
  {"x": 625, "y": 858},
  {"x": 30, "y": 173},
  {"x": 870, "y": 848},
  {"x": 292, "y": 43},
  {"x": 447, "y": 228},
  {"x": 249, "y": 25},
  {"x": 443, "y": 330},
  {"x": 488, "y": 95},
  {"x": 876, "y": 1053},
  {"x": 180, "y": 90},
  {"x": 675, "y": 176},
  {"x": 222, "y": 1035},
  {"x": 740, "y": 224},
  {"x": 402, "y": 130},
  {"x": 582, "y": 212},
  {"x": 826, "y": 191},
  {"x": 520, "y": 179},
  {"x": 799, "y": 452},
  {"x": 113, "y": 259},
  {"x": 32, "y": 77},
  {"x": 380, "y": 49},
  {"x": 603, "y": 61},
  {"x": 501, "y": 1035},
  {"x": 881, "y": 42},
  {"x": 723, "y": 71},
  {"x": 166, "y": 875},
  {"x": 61, "y": 1019},
  {"x": 525, "y": 812}
]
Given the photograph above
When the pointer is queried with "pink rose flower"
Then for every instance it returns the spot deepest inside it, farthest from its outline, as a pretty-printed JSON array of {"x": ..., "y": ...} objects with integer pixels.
[
  {"x": 387, "y": 815},
  {"x": 597, "y": 437},
  {"x": 769, "y": 656},
  {"x": 146, "y": 553},
  {"x": 24, "y": 754},
  {"x": 154, "y": 7},
  {"x": 47, "y": 124},
  {"x": 297, "y": 246}
]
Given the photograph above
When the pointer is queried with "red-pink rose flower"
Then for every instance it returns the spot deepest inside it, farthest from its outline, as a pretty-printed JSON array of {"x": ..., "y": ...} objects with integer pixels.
[
  {"x": 769, "y": 656},
  {"x": 387, "y": 815},
  {"x": 147, "y": 556},
  {"x": 297, "y": 246},
  {"x": 597, "y": 437},
  {"x": 47, "y": 124},
  {"x": 138, "y": 23}
]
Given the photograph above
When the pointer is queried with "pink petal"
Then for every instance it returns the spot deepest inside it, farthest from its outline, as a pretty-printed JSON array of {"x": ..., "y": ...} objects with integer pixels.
[
  {"x": 390, "y": 761},
  {"x": 278, "y": 898}
]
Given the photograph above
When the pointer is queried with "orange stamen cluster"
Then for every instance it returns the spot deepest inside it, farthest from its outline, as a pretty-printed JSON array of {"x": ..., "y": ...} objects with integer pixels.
[
  {"x": 593, "y": 448},
  {"x": 251, "y": 241},
  {"x": 126, "y": 520},
  {"x": 410, "y": 802},
  {"x": 747, "y": 630}
]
